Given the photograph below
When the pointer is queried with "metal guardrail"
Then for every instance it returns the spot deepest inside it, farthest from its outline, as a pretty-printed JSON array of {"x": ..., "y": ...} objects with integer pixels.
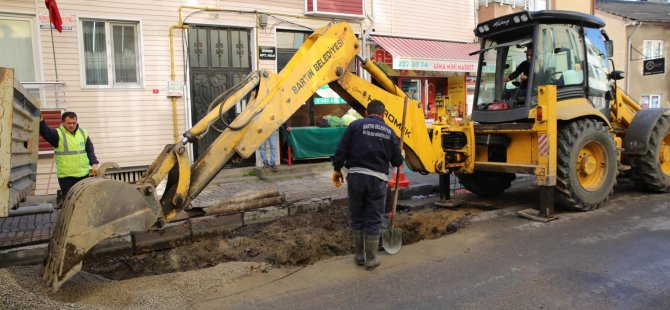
[
  {"x": 19, "y": 140},
  {"x": 126, "y": 174},
  {"x": 50, "y": 93},
  {"x": 526, "y": 4}
]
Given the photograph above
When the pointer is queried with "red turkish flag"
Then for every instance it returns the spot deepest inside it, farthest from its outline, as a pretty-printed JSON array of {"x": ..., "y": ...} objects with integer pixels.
[{"x": 54, "y": 15}]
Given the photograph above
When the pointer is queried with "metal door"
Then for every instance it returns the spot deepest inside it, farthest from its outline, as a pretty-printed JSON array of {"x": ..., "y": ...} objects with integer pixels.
[{"x": 218, "y": 58}]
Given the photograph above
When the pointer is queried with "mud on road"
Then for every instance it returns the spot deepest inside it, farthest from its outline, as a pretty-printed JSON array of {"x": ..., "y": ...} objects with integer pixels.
[
  {"x": 299, "y": 240},
  {"x": 172, "y": 279}
]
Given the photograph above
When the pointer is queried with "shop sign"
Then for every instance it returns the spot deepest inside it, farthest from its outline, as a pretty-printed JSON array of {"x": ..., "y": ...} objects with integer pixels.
[
  {"x": 327, "y": 96},
  {"x": 381, "y": 56},
  {"x": 654, "y": 66},
  {"x": 434, "y": 65},
  {"x": 267, "y": 52},
  {"x": 331, "y": 100},
  {"x": 45, "y": 22}
]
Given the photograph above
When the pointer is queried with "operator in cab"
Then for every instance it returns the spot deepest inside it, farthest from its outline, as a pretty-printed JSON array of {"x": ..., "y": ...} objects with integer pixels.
[
  {"x": 367, "y": 147},
  {"x": 522, "y": 72}
]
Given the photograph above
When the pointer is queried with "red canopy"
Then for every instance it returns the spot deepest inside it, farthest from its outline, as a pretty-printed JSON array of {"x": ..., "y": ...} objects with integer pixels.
[{"x": 54, "y": 15}]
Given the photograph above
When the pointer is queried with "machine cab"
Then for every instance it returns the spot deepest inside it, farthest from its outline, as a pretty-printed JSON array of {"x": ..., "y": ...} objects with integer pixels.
[{"x": 521, "y": 51}]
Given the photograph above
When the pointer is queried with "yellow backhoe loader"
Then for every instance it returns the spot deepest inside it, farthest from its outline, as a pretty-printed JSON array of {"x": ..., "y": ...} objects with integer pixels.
[{"x": 568, "y": 125}]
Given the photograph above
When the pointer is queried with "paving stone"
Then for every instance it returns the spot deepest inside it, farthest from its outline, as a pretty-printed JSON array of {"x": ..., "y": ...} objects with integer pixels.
[
  {"x": 310, "y": 205},
  {"x": 27, "y": 255},
  {"x": 215, "y": 224},
  {"x": 264, "y": 215},
  {"x": 4, "y": 222},
  {"x": 171, "y": 236},
  {"x": 121, "y": 243}
]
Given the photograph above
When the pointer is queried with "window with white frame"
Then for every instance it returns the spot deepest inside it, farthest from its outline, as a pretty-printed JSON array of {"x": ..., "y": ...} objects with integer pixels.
[
  {"x": 18, "y": 46},
  {"x": 111, "y": 53},
  {"x": 650, "y": 101},
  {"x": 653, "y": 49}
]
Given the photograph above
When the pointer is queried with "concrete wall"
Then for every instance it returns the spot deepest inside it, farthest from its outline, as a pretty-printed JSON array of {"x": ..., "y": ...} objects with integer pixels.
[
  {"x": 616, "y": 29},
  {"x": 494, "y": 10},
  {"x": 584, "y": 6}
]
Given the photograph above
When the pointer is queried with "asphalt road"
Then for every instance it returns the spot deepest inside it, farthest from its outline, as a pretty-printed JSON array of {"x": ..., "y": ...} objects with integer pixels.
[{"x": 617, "y": 257}]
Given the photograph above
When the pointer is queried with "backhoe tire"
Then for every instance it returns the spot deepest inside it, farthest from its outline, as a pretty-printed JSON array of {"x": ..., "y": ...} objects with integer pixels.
[
  {"x": 486, "y": 184},
  {"x": 587, "y": 165},
  {"x": 651, "y": 171}
]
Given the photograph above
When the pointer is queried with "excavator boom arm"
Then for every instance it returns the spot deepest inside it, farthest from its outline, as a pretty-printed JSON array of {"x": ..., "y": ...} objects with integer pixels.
[{"x": 100, "y": 208}]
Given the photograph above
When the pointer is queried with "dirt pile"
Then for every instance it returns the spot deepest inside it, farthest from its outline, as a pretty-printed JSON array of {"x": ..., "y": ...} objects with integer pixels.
[
  {"x": 21, "y": 288},
  {"x": 173, "y": 278},
  {"x": 298, "y": 240}
]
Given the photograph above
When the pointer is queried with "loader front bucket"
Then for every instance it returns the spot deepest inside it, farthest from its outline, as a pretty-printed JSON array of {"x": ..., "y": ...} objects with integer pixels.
[{"x": 95, "y": 209}]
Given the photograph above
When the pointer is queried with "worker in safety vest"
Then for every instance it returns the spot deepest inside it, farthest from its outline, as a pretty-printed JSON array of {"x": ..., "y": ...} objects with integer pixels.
[{"x": 73, "y": 151}]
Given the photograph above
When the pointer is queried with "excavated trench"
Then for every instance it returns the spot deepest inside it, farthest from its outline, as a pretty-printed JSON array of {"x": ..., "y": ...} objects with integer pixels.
[{"x": 297, "y": 240}]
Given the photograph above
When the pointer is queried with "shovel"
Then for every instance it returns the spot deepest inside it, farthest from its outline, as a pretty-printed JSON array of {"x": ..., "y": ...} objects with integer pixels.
[{"x": 392, "y": 236}]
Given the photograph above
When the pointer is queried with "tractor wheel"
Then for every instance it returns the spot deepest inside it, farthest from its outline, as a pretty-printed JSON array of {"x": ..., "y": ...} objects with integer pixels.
[
  {"x": 651, "y": 171},
  {"x": 587, "y": 165},
  {"x": 486, "y": 184}
]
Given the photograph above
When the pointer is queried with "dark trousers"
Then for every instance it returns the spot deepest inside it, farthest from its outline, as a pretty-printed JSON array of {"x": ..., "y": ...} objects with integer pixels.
[
  {"x": 367, "y": 199},
  {"x": 66, "y": 183}
]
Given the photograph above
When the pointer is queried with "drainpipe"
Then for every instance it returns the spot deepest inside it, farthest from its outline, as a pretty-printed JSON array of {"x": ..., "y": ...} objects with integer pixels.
[
  {"x": 628, "y": 54},
  {"x": 364, "y": 48}
]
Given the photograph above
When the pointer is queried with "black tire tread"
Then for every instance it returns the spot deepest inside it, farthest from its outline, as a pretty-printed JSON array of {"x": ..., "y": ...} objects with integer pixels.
[
  {"x": 646, "y": 171},
  {"x": 565, "y": 192}
]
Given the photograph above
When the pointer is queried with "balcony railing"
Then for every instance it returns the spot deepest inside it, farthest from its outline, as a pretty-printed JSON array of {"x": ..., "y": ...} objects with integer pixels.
[
  {"x": 525, "y": 4},
  {"x": 50, "y": 94}
]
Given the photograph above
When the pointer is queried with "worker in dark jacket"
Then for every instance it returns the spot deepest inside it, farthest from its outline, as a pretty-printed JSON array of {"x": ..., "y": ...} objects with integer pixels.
[
  {"x": 522, "y": 72},
  {"x": 366, "y": 149},
  {"x": 73, "y": 151}
]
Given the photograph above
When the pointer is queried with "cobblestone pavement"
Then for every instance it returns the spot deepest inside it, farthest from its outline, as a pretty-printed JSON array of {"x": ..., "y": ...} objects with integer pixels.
[{"x": 294, "y": 189}]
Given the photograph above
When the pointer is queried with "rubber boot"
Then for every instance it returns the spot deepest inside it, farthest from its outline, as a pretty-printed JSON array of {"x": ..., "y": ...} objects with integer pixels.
[
  {"x": 371, "y": 245},
  {"x": 359, "y": 247}
]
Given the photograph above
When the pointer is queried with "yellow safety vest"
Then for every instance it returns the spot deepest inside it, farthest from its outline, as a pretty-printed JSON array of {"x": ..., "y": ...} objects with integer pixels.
[{"x": 71, "y": 157}]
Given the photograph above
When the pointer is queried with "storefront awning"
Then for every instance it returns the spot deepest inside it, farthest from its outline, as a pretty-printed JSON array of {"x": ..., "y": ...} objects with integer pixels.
[{"x": 429, "y": 55}]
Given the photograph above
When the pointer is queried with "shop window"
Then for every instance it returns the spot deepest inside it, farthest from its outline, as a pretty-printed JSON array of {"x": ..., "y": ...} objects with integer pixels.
[
  {"x": 650, "y": 101},
  {"x": 653, "y": 49},
  {"x": 111, "y": 53}
]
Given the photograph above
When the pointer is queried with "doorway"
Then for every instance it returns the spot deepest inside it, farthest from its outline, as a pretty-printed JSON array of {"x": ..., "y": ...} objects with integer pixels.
[{"x": 219, "y": 58}]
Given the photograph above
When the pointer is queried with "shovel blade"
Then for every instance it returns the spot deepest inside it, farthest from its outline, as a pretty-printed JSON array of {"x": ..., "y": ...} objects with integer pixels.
[
  {"x": 392, "y": 240},
  {"x": 94, "y": 209}
]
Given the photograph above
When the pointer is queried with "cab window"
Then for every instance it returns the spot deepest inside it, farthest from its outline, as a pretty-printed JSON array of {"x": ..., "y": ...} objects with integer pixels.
[{"x": 560, "y": 57}]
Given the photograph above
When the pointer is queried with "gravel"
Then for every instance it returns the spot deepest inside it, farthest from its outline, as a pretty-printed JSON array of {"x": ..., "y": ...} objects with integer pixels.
[{"x": 21, "y": 287}]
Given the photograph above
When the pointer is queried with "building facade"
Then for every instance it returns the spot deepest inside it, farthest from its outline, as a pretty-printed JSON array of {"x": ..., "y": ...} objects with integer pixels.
[
  {"x": 641, "y": 35},
  {"x": 139, "y": 73}
]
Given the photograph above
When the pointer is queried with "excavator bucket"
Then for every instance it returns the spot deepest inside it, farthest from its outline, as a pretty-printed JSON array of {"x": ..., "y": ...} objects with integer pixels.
[{"x": 95, "y": 209}]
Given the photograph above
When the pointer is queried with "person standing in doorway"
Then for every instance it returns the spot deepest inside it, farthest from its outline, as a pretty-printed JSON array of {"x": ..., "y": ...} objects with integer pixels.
[
  {"x": 367, "y": 147},
  {"x": 73, "y": 151}
]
